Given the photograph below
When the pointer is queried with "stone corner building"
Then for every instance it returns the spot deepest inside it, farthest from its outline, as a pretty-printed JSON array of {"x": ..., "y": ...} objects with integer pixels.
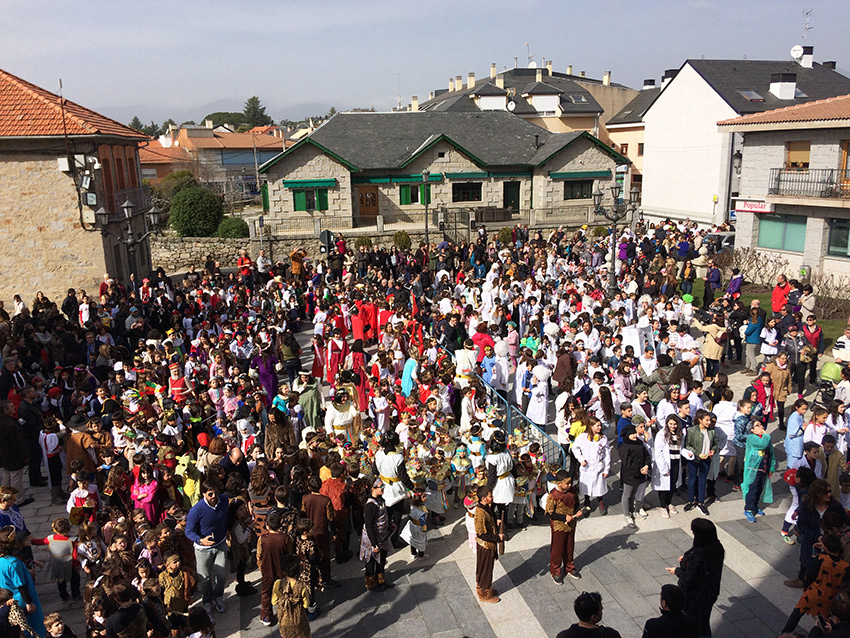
[
  {"x": 59, "y": 162},
  {"x": 357, "y": 167}
]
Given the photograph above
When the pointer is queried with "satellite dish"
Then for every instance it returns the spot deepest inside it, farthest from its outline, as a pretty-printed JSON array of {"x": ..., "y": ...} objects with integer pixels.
[
  {"x": 797, "y": 52},
  {"x": 511, "y": 105},
  {"x": 532, "y": 65}
]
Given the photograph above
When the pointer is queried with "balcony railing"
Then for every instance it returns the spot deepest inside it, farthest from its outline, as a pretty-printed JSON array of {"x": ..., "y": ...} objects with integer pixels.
[{"x": 818, "y": 182}]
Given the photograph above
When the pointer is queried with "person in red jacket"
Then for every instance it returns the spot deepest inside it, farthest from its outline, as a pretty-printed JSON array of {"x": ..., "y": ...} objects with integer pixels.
[
  {"x": 481, "y": 338},
  {"x": 779, "y": 296}
]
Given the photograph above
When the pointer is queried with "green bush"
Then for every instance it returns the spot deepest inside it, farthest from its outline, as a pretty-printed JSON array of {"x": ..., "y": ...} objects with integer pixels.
[
  {"x": 363, "y": 240},
  {"x": 506, "y": 236},
  {"x": 233, "y": 228},
  {"x": 172, "y": 184},
  {"x": 196, "y": 212},
  {"x": 402, "y": 240},
  {"x": 600, "y": 231}
]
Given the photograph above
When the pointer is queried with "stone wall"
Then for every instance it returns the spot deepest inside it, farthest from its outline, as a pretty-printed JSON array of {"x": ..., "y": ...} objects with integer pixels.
[{"x": 44, "y": 247}]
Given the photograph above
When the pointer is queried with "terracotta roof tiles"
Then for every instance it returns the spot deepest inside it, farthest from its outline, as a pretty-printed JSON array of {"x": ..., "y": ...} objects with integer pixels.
[
  {"x": 831, "y": 108},
  {"x": 27, "y": 110}
]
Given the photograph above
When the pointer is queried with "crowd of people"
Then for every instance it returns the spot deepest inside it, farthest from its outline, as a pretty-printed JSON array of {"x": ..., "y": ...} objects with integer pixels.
[{"x": 189, "y": 434}]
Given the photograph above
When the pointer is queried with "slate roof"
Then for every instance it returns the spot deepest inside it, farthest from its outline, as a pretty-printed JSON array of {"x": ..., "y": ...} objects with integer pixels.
[
  {"x": 517, "y": 81},
  {"x": 832, "y": 108},
  {"x": 632, "y": 113},
  {"x": 488, "y": 89},
  {"x": 540, "y": 88},
  {"x": 388, "y": 141},
  {"x": 27, "y": 110},
  {"x": 729, "y": 77}
]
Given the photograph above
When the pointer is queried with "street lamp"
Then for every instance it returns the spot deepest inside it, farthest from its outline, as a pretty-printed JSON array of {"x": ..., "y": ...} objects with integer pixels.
[
  {"x": 426, "y": 179},
  {"x": 618, "y": 211},
  {"x": 129, "y": 239}
]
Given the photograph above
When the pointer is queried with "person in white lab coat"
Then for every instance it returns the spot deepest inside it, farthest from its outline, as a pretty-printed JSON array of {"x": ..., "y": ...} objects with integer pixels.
[
  {"x": 666, "y": 463},
  {"x": 593, "y": 453}
]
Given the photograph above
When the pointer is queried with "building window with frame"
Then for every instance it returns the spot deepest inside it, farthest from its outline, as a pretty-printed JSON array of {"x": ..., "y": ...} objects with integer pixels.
[
  {"x": 797, "y": 155},
  {"x": 624, "y": 149},
  {"x": 413, "y": 194},
  {"x": 782, "y": 232},
  {"x": 640, "y": 149},
  {"x": 839, "y": 238},
  {"x": 581, "y": 189},
  {"x": 310, "y": 199},
  {"x": 466, "y": 192}
]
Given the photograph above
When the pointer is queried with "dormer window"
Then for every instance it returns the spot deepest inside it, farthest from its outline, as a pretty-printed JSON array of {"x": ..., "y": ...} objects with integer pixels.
[
  {"x": 578, "y": 99},
  {"x": 751, "y": 96}
]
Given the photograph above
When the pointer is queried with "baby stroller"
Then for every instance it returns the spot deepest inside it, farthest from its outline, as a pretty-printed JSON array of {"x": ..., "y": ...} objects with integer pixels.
[{"x": 830, "y": 374}]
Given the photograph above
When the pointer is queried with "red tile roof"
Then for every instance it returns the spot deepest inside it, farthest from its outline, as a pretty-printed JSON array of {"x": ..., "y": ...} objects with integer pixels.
[
  {"x": 155, "y": 153},
  {"x": 27, "y": 110},
  {"x": 232, "y": 141},
  {"x": 832, "y": 108}
]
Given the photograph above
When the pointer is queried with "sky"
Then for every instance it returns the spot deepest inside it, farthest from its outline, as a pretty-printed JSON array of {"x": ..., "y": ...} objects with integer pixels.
[{"x": 183, "y": 59}]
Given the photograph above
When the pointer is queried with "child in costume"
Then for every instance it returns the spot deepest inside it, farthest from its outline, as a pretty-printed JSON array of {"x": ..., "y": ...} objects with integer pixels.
[{"x": 415, "y": 531}]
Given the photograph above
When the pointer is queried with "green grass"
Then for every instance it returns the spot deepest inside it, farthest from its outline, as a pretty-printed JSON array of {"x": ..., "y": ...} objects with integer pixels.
[{"x": 832, "y": 329}]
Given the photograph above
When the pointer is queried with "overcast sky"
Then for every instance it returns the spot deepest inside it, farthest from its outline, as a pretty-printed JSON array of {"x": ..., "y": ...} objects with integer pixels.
[{"x": 184, "y": 59}]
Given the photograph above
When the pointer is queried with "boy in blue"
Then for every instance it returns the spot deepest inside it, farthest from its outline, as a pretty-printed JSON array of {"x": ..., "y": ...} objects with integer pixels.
[
  {"x": 794, "y": 434},
  {"x": 624, "y": 422}
]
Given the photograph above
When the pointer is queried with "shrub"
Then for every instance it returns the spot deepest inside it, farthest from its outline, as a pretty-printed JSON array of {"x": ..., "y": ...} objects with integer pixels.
[
  {"x": 506, "y": 236},
  {"x": 758, "y": 266},
  {"x": 599, "y": 231},
  {"x": 831, "y": 294},
  {"x": 195, "y": 212},
  {"x": 233, "y": 228},
  {"x": 170, "y": 185},
  {"x": 363, "y": 240},
  {"x": 402, "y": 240}
]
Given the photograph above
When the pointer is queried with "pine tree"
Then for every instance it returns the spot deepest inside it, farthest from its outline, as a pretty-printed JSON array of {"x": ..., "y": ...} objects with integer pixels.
[
  {"x": 136, "y": 123},
  {"x": 255, "y": 113}
]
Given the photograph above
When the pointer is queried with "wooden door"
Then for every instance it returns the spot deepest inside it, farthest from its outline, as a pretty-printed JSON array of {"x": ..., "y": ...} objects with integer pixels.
[
  {"x": 511, "y": 196},
  {"x": 368, "y": 201},
  {"x": 844, "y": 171}
]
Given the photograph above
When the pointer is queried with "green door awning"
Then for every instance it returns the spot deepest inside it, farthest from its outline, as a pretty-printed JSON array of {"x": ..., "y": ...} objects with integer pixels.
[
  {"x": 604, "y": 174},
  {"x": 309, "y": 183}
]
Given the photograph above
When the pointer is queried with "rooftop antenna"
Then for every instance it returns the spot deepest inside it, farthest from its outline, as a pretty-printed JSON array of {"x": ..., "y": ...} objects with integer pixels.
[
  {"x": 808, "y": 27},
  {"x": 530, "y": 56},
  {"x": 398, "y": 96}
]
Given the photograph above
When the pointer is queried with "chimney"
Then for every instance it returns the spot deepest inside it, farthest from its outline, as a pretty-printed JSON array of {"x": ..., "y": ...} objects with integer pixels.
[
  {"x": 606, "y": 78},
  {"x": 649, "y": 84},
  {"x": 569, "y": 69},
  {"x": 208, "y": 123},
  {"x": 451, "y": 85},
  {"x": 549, "y": 67},
  {"x": 470, "y": 81},
  {"x": 492, "y": 70},
  {"x": 669, "y": 74},
  {"x": 536, "y": 141},
  {"x": 538, "y": 76},
  {"x": 430, "y": 95},
  {"x": 808, "y": 57},
  {"x": 516, "y": 61},
  {"x": 414, "y": 102},
  {"x": 500, "y": 81},
  {"x": 581, "y": 74},
  {"x": 458, "y": 83},
  {"x": 829, "y": 65},
  {"x": 783, "y": 85}
]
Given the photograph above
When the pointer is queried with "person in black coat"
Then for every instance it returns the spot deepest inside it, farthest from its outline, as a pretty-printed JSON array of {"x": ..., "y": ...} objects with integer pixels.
[
  {"x": 699, "y": 573},
  {"x": 809, "y": 519},
  {"x": 672, "y": 623},
  {"x": 635, "y": 470}
]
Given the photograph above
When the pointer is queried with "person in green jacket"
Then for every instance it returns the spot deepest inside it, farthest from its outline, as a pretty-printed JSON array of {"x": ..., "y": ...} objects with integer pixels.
[{"x": 759, "y": 463}]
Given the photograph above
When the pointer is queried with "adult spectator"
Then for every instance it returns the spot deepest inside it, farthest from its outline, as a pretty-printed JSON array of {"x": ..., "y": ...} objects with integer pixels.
[
  {"x": 32, "y": 422},
  {"x": 779, "y": 296},
  {"x": 15, "y": 577},
  {"x": 712, "y": 283},
  {"x": 699, "y": 573},
  {"x": 206, "y": 527},
  {"x": 264, "y": 264},
  {"x": 246, "y": 269},
  {"x": 672, "y": 623},
  {"x": 14, "y": 451},
  {"x": 588, "y": 610},
  {"x": 841, "y": 347},
  {"x": 71, "y": 307},
  {"x": 807, "y": 301},
  {"x": 235, "y": 462}
]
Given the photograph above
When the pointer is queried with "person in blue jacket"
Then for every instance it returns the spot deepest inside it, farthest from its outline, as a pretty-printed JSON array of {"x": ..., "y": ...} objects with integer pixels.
[{"x": 752, "y": 341}]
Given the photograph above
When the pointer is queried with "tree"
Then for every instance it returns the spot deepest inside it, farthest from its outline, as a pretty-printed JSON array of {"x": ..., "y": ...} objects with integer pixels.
[
  {"x": 233, "y": 227},
  {"x": 196, "y": 212},
  {"x": 332, "y": 112},
  {"x": 225, "y": 117},
  {"x": 152, "y": 130},
  {"x": 254, "y": 113},
  {"x": 136, "y": 123},
  {"x": 166, "y": 124}
]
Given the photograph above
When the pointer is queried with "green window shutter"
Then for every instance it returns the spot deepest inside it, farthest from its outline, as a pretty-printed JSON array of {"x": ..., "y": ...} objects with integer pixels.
[
  {"x": 300, "y": 198},
  {"x": 425, "y": 192},
  {"x": 322, "y": 199},
  {"x": 404, "y": 194},
  {"x": 264, "y": 190}
]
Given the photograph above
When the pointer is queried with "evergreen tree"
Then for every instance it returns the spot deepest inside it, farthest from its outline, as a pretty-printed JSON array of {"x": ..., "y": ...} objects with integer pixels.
[
  {"x": 136, "y": 123},
  {"x": 255, "y": 113}
]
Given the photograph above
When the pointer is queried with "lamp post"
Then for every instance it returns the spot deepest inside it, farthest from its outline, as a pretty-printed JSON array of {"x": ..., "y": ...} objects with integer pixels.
[
  {"x": 426, "y": 180},
  {"x": 129, "y": 238},
  {"x": 615, "y": 214}
]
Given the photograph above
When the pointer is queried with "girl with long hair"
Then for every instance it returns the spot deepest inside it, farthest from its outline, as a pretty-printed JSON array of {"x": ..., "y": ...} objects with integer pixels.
[{"x": 666, "y": 463}]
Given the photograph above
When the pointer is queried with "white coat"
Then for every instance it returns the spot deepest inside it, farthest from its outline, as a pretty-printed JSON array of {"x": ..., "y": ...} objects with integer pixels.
[
  {"x": 505, "y": 488},
  {"x": 390, "y": 467},
  {"x": 597, "y": 454},
  {"x": 725, "y": 412},
  {"x": 538, "y": 405},
  {"x": 661, "y": 463}
]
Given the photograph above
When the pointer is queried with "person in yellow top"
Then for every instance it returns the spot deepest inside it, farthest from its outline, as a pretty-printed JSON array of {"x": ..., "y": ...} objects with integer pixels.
[{"x": 291, "y": 598}]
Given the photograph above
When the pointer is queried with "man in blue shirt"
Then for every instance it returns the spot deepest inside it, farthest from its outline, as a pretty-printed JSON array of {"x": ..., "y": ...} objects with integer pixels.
[{"x": 206, "y": 527}]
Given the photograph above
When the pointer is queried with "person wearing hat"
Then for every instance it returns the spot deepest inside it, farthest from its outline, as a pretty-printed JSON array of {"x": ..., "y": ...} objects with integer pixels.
[
  {"x": 465, "y": 362},
  {"x": 336, "y": 352},
  {"x": 179, "y": 387},
  {"x": 340, "y": 415},
  {"x": 375, "y": 539}
]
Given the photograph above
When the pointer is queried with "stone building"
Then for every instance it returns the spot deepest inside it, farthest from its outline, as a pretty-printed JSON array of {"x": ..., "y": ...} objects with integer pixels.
[
  {"x": 59, "y": 162},
  {"x": 359, "y": 167},
  {"x": 795, "y": 183}
]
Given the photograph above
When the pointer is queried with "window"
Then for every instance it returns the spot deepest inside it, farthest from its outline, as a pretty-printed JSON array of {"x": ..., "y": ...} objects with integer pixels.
[
  {"x": 148, "y": 173},
  {"x": 640, "y": 149},
  {"x": 839, "y": 238},
  {"x": 119, "y": 173},
  {"x": 413, "y": 194},
  {"x": 582, "y": 189},
  {"x": 797, "y": 155},
  {"x": 441, "y": 155},
  {"x": 310, "y": 199},
  {"x": 466, "y": 192},
  {"x": 578, "y": 99},
  {"x": 782, "y": 232},
  {"x": 624, "y": 149},
  {"x": 751, "y": 96}
]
